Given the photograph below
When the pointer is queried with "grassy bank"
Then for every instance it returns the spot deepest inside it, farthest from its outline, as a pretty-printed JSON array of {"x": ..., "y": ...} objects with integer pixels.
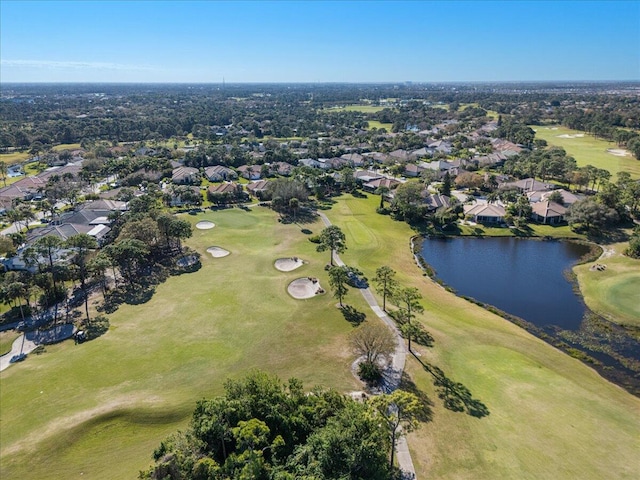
[
  {"x": 614, "y": 292},
  {"x": 588, "y": 150}
]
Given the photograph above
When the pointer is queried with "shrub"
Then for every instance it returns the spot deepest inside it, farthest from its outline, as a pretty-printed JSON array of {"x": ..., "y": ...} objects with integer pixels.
[{"x": 369, "y": 372}]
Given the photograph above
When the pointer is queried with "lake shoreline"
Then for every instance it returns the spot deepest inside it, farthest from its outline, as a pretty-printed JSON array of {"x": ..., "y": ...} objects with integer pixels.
[{"x": 586, "y": 343}]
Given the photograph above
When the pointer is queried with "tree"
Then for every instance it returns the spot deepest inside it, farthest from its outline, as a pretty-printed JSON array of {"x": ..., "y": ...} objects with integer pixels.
[
  {"x": 129, "y": 254},
  {"x": 373, "y": 341},
  {"x": 3, "y": 172},
  {"x": 445, "y": 189},
  {"x": 382, "y": 191},
  {"x": 591, "y": 214},
  {"x": 48, "y": 247},
  {"x": 263, "y": 429},
  {"x": 406, "y": 200},
  {"x": 385, "y": 283},
  {"x": 332, "y": 239},
  {"x": 82, "y": 244},
  {"x": 338, "y": 278},
  {"x": 398, "y": 409},
  {"x": 406, "y": 299}
]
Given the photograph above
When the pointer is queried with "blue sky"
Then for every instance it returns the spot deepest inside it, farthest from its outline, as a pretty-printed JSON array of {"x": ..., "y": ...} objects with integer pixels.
[{"x": 316, "y": 41}]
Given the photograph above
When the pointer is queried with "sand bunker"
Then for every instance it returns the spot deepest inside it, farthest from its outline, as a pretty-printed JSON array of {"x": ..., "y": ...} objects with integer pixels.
[
  {"x": 306, "y": 287},
  {"x": 288, "y": 264},
  {"x": 574, "y": 135},
  {"x": 618, "y": 152},
  {"x": 205, "y": 225},
  {"x": 217, "y": 252}
]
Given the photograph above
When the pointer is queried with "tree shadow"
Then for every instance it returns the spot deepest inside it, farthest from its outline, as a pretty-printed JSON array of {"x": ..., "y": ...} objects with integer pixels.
[
  {"x": 425, "y": 413},
  {"x": 97, "y": 327},
  {"x": 455, "y": 396},
  {"x": 302, "y": 216},
  {"x": 353, "y": 316}
]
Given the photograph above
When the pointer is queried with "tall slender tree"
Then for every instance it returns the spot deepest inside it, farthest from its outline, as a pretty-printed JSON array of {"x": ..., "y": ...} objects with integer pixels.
[
  {"x": 332, "y": 239},
  {"x": 385, "y": 283}
]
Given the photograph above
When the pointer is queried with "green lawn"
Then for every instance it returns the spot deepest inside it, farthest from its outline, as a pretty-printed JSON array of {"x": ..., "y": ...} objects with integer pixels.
[
  {"x": 551, "y": 416},
  {"x": 364, "y": 108},
  {"x": 376, "y": 124},
  {"x": 99, "y": 409},
  {"x": 588, "y": 150},
  {"x": 6, "y": 341},
  {"x": 614, "y": 292},
  {"x": 17, "y": 157}
]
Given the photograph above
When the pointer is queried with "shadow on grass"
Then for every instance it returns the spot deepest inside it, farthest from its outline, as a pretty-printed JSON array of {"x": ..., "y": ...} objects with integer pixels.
[
  {"x": 302, "y": 216},
  {"x": 132, "y": 295},
  {"x": 455, "y": 396},
  {"x": 97, "y": 327},
  {"x": 425, "y": 413},
  {"x": 353, "y": 316},
  {"x": 418, "y": 334}
]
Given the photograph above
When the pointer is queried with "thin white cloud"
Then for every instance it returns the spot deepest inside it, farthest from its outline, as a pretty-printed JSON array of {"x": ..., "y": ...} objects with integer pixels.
[{"x": 52, "y": 64}]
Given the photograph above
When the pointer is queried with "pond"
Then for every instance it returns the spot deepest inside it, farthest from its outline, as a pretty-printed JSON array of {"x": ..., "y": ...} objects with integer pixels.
[{"x": 526, "y": 278}]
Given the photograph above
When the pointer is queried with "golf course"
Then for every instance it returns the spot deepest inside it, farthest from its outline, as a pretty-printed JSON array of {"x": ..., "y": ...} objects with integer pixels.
[
  {"x": 588, "y": 150},
  {"x": 99, "y": 409}
]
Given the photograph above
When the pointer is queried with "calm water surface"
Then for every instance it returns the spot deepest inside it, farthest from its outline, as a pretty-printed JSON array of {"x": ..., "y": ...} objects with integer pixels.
[{"x": 522, "y": 277}]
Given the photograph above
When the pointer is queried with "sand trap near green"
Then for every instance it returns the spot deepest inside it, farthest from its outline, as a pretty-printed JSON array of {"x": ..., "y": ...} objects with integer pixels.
[
  {"x": 217, "y": 252},
  {"x": 205, "y": 225},
  {"x": 302, "y": 288},
  {"x": 288, "y": 264}
]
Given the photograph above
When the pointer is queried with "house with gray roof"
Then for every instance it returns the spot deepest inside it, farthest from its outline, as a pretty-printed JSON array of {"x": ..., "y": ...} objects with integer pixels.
[
  {"x": 490, "y": 213},
  {"x": 549, "y": 213},
  {"x": 220, "y": 173}
]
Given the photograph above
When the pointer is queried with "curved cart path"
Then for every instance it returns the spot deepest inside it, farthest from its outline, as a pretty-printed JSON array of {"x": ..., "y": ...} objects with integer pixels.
[
  {"x": 393, "y": 374},
  {"x": 16, "y": 347}
]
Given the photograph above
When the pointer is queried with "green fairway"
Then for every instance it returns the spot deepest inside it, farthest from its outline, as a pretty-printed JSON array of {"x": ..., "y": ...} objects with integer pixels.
[
  {"x": 588, "y": 150},
  {"x": 364, "y": 108},
  {"x": 6, "y": 340},
  {"x": 17, "y": 157},
  {"x": 100, "y": 408},
  {"x": 614, "y": 292},
  {"x": 376, "y": 124}
]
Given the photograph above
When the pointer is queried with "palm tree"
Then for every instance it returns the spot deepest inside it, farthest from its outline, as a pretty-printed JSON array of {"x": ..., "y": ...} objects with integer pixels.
[{"x": 3, "y": 172}]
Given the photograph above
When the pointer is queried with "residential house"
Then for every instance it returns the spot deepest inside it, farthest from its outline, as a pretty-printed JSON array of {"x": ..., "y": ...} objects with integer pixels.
[
  {"x": 365, "y": 176},
  {"x": 220, "y": 173},
  {"x": 250, "y": 172},
  {"x": 401, "y": 155},
  {"x": 354, "y": 159},
  {"x": 550, "y": 213},
  {"x": 490, "y": 213},
  {"x": 412, "y": 170},
  {"x": 258, "y": 188},
  {"x": 281, "y": 168},
  {"x": 436, "y": 201},
  {"x": 226, "y": 192},
  {"x": 314, "y": 163},
  {"x": 568, "y": 198},
  {"x": 373, "y": 185},
  {"x": 528, "y": 185},
  {"x": 185, "y": 175},
  {"x": 24, "y": 189}
]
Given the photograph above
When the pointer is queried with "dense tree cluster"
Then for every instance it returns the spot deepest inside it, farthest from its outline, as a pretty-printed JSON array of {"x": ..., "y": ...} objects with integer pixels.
[{"x": 264, "y": 429}]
